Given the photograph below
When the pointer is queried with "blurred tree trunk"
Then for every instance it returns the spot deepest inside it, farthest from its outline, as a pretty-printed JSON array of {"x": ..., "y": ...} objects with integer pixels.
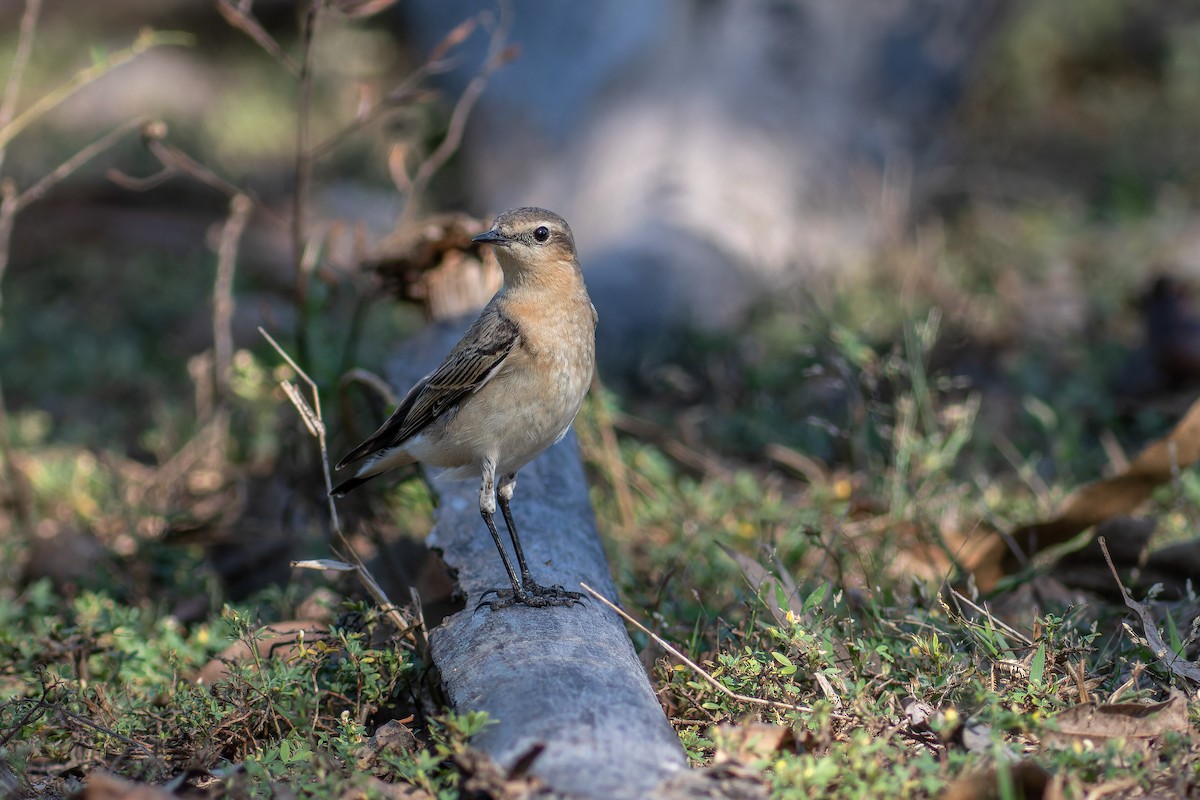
[{"x": 711, "y": 151}]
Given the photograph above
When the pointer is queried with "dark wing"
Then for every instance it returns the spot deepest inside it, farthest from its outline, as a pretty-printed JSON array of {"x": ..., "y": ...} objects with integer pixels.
[{"x": 472, "y": 362}]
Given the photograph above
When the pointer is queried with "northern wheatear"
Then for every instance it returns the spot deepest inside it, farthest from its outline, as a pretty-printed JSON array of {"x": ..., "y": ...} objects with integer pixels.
[{"x": 507, "y": 391}]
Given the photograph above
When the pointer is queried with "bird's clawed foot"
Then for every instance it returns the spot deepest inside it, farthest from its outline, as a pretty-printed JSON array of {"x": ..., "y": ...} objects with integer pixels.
[{"x": 531, "y": 594}]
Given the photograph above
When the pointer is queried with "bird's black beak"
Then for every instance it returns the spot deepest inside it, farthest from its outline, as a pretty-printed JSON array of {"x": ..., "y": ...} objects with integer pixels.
[{"x": 491, "y": 237}]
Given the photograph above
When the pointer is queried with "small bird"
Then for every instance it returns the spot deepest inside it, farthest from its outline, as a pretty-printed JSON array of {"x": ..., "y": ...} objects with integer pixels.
[{"x": 507, "y": 391}]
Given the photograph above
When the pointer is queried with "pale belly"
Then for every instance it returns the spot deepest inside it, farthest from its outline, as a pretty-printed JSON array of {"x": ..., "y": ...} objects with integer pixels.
[{"x": 510, "y": 420}]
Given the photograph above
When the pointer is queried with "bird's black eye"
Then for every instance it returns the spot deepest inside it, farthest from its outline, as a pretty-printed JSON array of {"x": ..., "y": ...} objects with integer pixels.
[{"x": 542, "y": 234}]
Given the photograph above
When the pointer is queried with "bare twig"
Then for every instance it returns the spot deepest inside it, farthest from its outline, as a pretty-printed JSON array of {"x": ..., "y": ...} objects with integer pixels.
[
  {"x": 368, "y": 378},
  {"x": 66, "y": 168},
  {"x": 246, "y": 23},
  {"x": 405, "y": 92},
  {"x": 22, "y": 499},
  {"x": 96, "y": 726},
  {"x": 8, "y": 215},
  {"x": 176, "y": 162},
  {"x": 716, "y": 684},
  {"x": 240, "y": 208},
  {"x": 316, "y": 425},
  {"x": 12, "y": 89},
  {"x": 304, "y": 166},
  {"x": 146, "y": 40},
  {"x": 959, "y": 597},
  {"x": 499, "y": 54}
]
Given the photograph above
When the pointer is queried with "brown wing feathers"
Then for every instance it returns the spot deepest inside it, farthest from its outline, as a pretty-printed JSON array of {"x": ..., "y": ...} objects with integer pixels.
[{"x": 468, "y": 367}]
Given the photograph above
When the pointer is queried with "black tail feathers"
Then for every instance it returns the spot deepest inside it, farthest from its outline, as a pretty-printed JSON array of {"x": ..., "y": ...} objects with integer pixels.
[{"x": 349, "y": 485}]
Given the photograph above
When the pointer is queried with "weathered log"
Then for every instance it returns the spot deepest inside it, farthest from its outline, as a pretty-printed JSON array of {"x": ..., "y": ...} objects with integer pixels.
[{"x": 566, "y": 679}]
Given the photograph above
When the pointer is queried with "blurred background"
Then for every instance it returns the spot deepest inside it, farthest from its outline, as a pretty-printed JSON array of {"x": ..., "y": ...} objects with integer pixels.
[
  {"x": 880, "y": 285},
  {"x": 788, "y": 212}
]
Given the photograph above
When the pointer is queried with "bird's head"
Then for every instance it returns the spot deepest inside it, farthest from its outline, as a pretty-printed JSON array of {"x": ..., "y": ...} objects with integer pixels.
[{"x": 531, "y": 243}]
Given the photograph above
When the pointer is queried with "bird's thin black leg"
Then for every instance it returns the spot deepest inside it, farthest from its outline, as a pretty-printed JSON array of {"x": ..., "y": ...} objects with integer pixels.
[
  {"x": 539, "y": 595},
  {"x": 487, "y": 509},
  {"x": 508, "y": 484}
]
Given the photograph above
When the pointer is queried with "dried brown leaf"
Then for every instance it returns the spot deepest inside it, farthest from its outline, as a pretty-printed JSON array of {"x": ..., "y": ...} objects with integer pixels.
[
  {"x": 103, "y": 786},
  {"x": 278, "y": 640},
  {"x": 1027, "y": 780},
  {"x": 1129, "y": 722},
  {"x": 1122, "y": 493},
  {"x": 756, "y": 741}
]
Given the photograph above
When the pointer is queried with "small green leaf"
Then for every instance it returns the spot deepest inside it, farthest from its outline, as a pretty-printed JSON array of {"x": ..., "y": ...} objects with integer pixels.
[
  {"x": 781, "y": 599},
  {"x": 814, "y": 599},
  {"x": 1037, "y": 669},
  {"x": 1174, "y": 641},
  {"x": 781, "y": 658}
]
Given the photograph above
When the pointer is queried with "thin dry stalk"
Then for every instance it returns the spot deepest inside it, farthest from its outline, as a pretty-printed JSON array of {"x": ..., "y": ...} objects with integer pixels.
[
  {"x": 303, "y": 175},
  {"x": 692, "y": 665},
  {"x": 403, "y": 93},
  {"x": 22, "y": 497},
  {"x": 315, "y": 422},
  {"x": 66, "y": 168},
  {"x": 147, "y": 40},
  {"x": 369, "y": 379},
  {"x": 240, "y": 18},
  {"x": 12, "y": 89},
  {"x": 8, "y": 215},
  {"x": 959, "y": 597},
  {"x": 499, "y": 54},
  {"x": 240, "y": 208},
  {"x": 618, "y": 475}
]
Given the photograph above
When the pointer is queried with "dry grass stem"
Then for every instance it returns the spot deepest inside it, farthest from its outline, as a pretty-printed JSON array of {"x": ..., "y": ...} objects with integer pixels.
[
  {"x": 618, "y": 475},
  {"x": 692, "y": 665},
  {"x": 38, "y": 190},
  {"x": 146, "y": 40},
  {"x": 240, "y": 208},
  {"x": 371, "y": 380},
  {"x": 316, "y": 426},
  {"x": 303, "y": 167},
  {"x": 239, "y": 17},
  {"x": 12, "y": 88},
  {"x": 497, "y": 56},
  {"x": 959, "y": 597},
  {"x": 436, "y": 64},
  {"x": 702, "y": 465}
]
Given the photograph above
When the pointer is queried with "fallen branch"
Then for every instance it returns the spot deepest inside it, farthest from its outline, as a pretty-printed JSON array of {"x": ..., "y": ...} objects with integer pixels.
[{"x": 563, "y": 679}]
